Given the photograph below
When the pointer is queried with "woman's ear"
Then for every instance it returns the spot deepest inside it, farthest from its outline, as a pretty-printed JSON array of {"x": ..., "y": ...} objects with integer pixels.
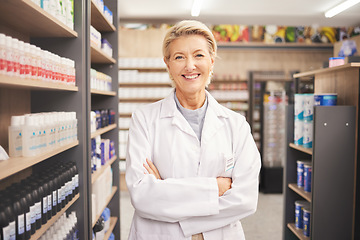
[{"x": 166, "y": 62}]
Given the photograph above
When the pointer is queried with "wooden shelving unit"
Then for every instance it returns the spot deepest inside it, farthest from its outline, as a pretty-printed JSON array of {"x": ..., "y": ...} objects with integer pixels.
[
  {"x": 17, "y": 82},
  {"x": 113, "y": 221},
  {"x": 276, "y": 46},
  {"x": 99, "y": 21},
  {"x": 148, "y": 84},
  {"x": 98, "y": 56},
  {"x": 298, "y": 232},
  {"x": 106, "y": 93},
  {"x": 144, "y": 69},
  {"x": 301, "y": 149},
  {"x": 19, "y": 12},
  {"x": 108, "y": 65},
  {"x": 26, "y": 21},
  {"x": 15, "y": 165},
  {"x": 103, "y": 130},
  {"x": 300, "y": 191},
  {"x": 335, "y": 142},
  {"x": 49, "y": 223}
]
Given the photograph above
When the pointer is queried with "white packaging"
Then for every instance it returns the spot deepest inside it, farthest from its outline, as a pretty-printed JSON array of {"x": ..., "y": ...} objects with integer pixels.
[
  {"x": 22, "y": 59},
  {"x": 30, "y": 140},
  {"x": 308, "y": 134},
  {"x": 298, "y": 132},
  {"x": 3, "y": 64},
  {"x": 308, "y": 106},
  {"x": 299, "y": 106},
  {"x": 15, "y": 136},
  {"x": 9, "y": 56}
]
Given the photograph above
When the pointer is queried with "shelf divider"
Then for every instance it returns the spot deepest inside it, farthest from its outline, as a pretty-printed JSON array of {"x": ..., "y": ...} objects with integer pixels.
[
  {"x": 49, "y": 223},
  {"x": 14, "y": 165}
]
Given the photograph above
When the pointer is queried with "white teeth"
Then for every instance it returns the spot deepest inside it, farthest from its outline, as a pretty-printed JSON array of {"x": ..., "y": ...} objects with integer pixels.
[{"x": 191, "y": 77}]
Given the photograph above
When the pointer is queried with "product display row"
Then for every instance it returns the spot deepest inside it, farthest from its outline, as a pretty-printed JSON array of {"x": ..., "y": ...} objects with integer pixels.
[
  {"x": 63, "y": 10},
  {"x": 102, "y": 226},
  {"x": 101, "y": 119},
  {"x": 100, "y": 81},
  {"x": 99, "y": 42},
  {"x": 142, "y": 63},
  {"x": 102, "y": 151},
  {"x": 35, "y": 134},
  {"x": 274, "y": 137},
  {"x": 134, "y": 76},
  {"x": 64, "y": 228},
  {"x": 123, "y": 138},
  {"x": 102, "y": 188},
  {"x": 24, "y": 60},
  {"x": 144, "y": 93},
  {"x": 29, "y": 204},
  {"x": 302, "y": 216},
  {"x": 304, "y": 111}
]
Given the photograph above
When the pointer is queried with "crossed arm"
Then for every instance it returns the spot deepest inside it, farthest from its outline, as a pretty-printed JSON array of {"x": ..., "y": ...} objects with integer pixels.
[{"x": 223, "y": 183}]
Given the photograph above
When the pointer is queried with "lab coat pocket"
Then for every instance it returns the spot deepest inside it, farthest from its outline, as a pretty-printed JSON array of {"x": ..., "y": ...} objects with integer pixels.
[{"x": 228, "y": 165}]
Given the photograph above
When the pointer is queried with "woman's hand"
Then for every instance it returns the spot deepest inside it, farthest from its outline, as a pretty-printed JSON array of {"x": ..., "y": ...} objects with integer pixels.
[
  {"x": 150, "y": 167},
  {"x": 224, "y": 184}
]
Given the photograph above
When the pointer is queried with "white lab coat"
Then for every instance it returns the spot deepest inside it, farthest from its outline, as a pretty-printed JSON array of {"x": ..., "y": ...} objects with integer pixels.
[{"x": 186, "y": 201}]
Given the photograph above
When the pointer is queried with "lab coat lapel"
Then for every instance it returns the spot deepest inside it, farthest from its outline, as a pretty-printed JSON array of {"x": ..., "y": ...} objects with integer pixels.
[
  {"x": 212, "y": 121},
  {"x": 169, "y": 110}
]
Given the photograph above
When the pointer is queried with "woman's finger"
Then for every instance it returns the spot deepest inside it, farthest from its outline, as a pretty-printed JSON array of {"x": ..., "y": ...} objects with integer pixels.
[
  {"x": 153, "y": 168},
  {"x": 150, "y": 171}
]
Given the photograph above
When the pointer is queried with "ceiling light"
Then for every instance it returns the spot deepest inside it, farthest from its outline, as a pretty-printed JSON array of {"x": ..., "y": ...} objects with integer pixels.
[
  {"x": 196, "y": 7},
  {"x": 341, "y": 7}
]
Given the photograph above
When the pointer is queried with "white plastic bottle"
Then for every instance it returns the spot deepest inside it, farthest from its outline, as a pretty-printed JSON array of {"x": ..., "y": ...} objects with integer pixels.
[
  {"x": 30, "y": 136},
  {"x": 42, "y": 133},
  {"x": 3, "y": 65},
  {"x": 50, "y": 132},
  {"x": 15, "y": 136},
  {"x": 9, "y": 56}
]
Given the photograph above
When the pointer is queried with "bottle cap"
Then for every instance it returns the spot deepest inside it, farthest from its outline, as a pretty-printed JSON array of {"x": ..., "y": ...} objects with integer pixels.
[{"x": 16, "y": 120}]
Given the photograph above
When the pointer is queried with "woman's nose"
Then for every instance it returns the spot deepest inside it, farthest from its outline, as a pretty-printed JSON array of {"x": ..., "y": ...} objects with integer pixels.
[{"x": 190, "y": 65}]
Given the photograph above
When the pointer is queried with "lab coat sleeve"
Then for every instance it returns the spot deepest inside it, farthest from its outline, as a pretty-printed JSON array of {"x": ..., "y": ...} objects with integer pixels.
[
  {"x": 169, "y": 200},
  {"x": 241, "y": 200}
]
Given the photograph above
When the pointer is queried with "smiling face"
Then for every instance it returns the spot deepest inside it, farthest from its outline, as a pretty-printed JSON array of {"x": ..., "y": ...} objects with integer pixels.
[{"x": 190, "y": 65}]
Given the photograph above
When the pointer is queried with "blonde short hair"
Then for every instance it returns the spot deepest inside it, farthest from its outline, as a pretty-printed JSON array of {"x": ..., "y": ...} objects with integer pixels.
[{"x": 186, "y": 28}]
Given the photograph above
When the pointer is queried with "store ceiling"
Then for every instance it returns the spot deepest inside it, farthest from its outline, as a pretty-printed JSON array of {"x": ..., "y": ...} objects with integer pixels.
[{"x": 262, "y": 12}]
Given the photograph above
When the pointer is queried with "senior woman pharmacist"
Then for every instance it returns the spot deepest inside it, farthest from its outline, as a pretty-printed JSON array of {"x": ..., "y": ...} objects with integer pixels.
[{"x": 192, "y": 164}]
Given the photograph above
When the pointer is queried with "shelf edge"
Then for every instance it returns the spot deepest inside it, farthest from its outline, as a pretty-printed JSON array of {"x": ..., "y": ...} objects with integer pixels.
[
  {"x": 20, "y": 163},
  {"x": 103, "y": 130},
  {"x": 300, "y": 191}
]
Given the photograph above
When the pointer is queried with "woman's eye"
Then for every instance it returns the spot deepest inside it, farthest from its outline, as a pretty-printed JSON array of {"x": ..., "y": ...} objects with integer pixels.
[
  {"x": 199, "y": 55},
  {"x": 178, "y": 57}
]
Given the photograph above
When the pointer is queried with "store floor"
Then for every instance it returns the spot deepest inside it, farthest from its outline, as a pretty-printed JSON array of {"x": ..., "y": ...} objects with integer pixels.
[{"x": 265, "y": 224}]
